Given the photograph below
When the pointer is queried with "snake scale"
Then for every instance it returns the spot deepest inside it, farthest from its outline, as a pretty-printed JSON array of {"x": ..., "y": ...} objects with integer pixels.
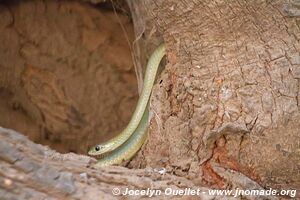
[{"x": 129, "y": 141}]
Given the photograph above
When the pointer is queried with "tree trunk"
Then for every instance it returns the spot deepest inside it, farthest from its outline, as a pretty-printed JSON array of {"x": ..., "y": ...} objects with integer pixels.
[
  {"x": 32, "y": 171},
  {"x": 225, "y": 110},
  {"x": 230, "y": 92}
]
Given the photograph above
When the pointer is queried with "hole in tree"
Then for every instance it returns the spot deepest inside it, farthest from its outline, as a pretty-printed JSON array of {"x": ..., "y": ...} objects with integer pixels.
[{"x": 66, "y": 73}]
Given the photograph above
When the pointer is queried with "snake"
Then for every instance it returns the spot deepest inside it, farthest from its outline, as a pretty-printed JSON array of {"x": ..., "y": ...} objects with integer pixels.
[
  {"x": 127, "y": 150},
  {"x": 133, "y": 136}
]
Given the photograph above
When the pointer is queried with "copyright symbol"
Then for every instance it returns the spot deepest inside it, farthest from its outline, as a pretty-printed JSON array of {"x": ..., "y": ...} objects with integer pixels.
[{"x": 115, "y": 191}]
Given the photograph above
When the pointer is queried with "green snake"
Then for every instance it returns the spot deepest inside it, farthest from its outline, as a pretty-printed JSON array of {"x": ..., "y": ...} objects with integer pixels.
[
  {"x": 128, "y": 142},
  {"x": 130, "y": 147}
]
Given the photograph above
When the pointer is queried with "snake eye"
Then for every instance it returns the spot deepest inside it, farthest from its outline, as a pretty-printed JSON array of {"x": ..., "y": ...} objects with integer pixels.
[{"x": 97, "y": 148}]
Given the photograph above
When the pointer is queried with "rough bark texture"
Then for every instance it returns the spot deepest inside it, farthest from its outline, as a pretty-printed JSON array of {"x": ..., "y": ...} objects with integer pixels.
[
  {"x": 225, "y": 110},
  {"x": 230, "y": 93},
  {"x": 32, "y": 171}
]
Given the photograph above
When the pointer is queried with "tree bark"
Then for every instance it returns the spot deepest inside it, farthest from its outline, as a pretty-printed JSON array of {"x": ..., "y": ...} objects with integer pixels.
[
  {"x": 230, "y": 92},
  {"x": 225, "y": 110},
  {"x": 33, "y": 171}
]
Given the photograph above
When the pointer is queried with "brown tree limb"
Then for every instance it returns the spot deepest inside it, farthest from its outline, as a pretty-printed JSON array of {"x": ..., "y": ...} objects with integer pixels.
[{"x": 33, "y": 171}]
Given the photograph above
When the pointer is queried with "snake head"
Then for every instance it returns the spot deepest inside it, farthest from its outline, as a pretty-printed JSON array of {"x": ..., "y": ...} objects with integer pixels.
[{"x": 100, "y": 149}]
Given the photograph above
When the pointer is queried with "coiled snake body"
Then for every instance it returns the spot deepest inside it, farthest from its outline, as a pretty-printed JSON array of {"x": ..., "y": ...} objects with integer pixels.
[{"x": 128, "y": 142}]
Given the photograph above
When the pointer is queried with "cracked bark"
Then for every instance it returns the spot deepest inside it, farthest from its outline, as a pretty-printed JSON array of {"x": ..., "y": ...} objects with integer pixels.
[
  {"x": 32, "y": 171},
  {"x": 226, "y": 109},
  {"x": 229, "y": 63}
]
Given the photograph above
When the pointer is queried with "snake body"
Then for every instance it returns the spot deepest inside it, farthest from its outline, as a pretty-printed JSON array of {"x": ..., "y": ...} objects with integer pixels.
[
  {"x": 137, "y": 126},
  {"x": 130, "y": 147}
]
